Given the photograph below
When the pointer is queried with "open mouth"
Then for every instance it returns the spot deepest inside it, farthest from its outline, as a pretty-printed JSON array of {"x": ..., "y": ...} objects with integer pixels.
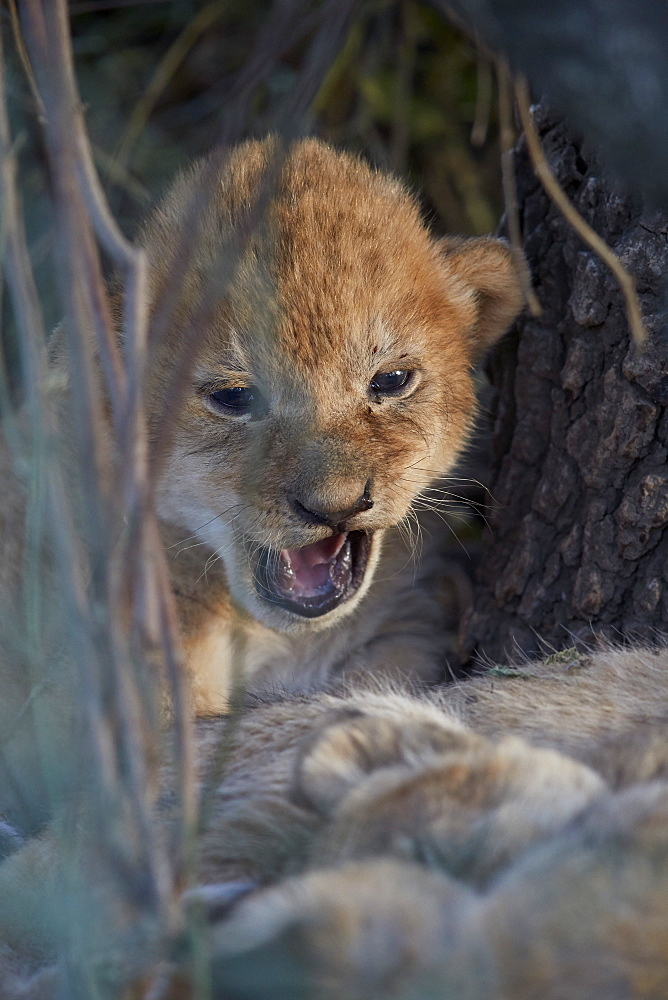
[{"x": 316, "y": 578}]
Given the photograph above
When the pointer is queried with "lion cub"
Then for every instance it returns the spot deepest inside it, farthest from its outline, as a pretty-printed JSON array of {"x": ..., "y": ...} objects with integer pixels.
[{"x": 332, "y": 382}]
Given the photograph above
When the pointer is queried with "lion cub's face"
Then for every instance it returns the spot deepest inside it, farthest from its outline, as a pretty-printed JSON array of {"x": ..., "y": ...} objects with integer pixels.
[{"x": 332, "y": 375}]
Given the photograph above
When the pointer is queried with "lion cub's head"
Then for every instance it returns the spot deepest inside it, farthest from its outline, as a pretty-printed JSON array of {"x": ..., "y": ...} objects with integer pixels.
[{"x": 332, "y": 372}]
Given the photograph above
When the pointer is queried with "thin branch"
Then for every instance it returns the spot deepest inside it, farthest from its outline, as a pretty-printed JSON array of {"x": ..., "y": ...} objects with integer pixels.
[
  {"x": 570, "y": 213},
  {"x": 62, "y": 110},
  {"x": 120, "y": 176}
]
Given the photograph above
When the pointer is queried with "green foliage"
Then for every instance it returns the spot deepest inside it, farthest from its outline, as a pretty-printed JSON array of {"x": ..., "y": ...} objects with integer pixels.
[{"x": 402, "y": 90}]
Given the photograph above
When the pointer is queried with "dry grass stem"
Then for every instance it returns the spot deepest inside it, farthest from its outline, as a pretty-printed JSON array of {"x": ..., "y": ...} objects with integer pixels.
[
  {"x": 332, "y": 27},
  {"x": 121, "y": 569},
  {"x": 570, "y": 213},
  {"x": 403, "y": 92}
]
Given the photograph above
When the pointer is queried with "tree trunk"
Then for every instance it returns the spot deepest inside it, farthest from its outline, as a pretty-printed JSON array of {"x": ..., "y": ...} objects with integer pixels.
[{"x": 579, "y": 543}]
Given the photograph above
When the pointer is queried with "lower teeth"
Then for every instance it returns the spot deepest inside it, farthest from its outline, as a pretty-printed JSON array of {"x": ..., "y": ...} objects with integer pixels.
[{"x": 341, "y": 571}]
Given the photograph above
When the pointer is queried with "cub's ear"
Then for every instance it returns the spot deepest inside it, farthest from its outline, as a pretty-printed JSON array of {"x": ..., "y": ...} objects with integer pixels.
[{"x": 489, "y": 268}]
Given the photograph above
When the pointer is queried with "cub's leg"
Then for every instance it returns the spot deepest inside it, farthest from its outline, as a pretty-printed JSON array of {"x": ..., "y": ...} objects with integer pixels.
[{"x": 365, "y": 931}]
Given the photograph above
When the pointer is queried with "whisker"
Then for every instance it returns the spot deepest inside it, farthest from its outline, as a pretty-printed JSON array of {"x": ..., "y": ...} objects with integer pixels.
[
  {"x": 185, "y": 548},
  {"x": 205, "y": 525},
  {"x": 221, "y": 550},
  {"x": 451, "y": 511},
  {"x": 439, "y": 474},
  {"x": 438, "y": 489},
  {"x": 452, "y": 531}
]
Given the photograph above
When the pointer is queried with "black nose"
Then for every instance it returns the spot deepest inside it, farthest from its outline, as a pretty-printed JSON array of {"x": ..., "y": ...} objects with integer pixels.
[{"x": 335, "y": 519}]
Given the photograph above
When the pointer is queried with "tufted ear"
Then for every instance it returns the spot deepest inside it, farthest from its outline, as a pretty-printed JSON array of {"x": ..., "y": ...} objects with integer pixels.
[{"x": 489, "y": 268}]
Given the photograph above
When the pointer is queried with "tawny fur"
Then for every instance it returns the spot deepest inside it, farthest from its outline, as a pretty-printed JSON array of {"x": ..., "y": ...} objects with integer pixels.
[
  {"x": 426, "y": 846},
  {"x": 505, "y": 839}
]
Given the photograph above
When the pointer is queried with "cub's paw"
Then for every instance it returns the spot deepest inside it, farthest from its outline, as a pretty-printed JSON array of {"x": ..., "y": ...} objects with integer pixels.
[
  {"x": 429, "y": 790},
  {"x": 390, "y": 732}
]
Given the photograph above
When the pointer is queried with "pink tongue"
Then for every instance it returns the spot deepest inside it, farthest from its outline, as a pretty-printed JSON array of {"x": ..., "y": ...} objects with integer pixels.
[{"x": 306, "y": 571}]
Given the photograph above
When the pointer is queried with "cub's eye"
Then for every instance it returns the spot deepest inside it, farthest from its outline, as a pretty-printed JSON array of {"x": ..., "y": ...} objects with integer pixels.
[
  {"x": 389, "y": 383},
  {"x": 236, "y": 399}
]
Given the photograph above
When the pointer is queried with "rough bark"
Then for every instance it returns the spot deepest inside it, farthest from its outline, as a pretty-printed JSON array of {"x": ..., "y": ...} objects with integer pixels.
[{"x": 579, "y": 540}]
